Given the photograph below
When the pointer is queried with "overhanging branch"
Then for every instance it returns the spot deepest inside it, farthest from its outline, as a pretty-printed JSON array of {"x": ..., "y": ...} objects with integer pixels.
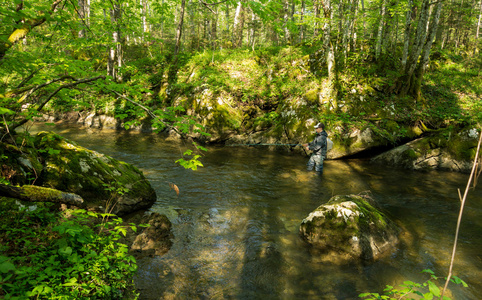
[{"x": 49, "y": 97}]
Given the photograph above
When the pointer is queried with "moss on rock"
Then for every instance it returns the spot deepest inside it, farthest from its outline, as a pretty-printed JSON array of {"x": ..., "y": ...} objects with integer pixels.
[
  {"x": 99, "y": 179},
  {"x": 350, "y": 226}
]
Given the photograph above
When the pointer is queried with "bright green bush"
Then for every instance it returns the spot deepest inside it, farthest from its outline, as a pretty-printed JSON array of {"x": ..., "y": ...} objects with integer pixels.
[
  {"x": 78, "y": 255},
  {"x": 412, "y": 290}
]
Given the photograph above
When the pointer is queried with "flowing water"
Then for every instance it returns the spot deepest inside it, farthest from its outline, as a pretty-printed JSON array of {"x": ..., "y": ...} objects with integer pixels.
[{"x": 236, "y": 220}]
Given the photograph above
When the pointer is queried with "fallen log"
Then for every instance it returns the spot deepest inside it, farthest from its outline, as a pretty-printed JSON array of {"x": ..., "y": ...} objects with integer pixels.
[{"x": 34, "y": 193}]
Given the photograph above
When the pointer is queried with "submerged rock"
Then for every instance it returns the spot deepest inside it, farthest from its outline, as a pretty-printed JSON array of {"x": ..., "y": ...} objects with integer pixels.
[
  {"x": 350, "y": 227},
  {"x": 118, "y": 187},
  {"x": 155, "y": 239}
]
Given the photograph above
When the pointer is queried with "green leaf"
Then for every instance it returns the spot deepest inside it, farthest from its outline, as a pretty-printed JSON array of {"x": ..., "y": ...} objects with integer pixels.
[
  {"x": 6, "y": 111},
  {"x": 6, "y": 267},
  {"x": 71, "y": 282},
  {"x": 65, "y": 251},
  {"x": 434, "y": 289},
  {"x": 457, "y": 280}
]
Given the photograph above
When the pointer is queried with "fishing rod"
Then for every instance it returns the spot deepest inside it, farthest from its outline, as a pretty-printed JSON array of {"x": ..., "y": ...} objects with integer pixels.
[{"x": 262, "y": 144}]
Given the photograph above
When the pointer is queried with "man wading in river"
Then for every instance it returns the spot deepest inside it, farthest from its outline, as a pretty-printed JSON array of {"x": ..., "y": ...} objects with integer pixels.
[{"x": 319, "y": 148}]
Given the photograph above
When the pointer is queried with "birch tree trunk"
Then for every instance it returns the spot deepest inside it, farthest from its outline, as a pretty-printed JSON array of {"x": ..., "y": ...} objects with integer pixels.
[
  {"x": 84, "y": 16},
  {"x": 329, "y": 52},
  {"x": 144, "y": 11},
  {"x": 286, "y": 16},
  {"x": 227, "y": 23},
  {"x": 378, "y": 47},
  {"x": 316, "y": 25},
  {"x": 214, "y": 30},
  {"x": 422, "y": 65},
  {"x": 302, "y": 26},
  {"x": 238, "y": 26},
  {"x": 364, "y": 19},
  {"x": 418, "y": 54},
  {"x": 477, "y": 32},
  {"x": 407, "y": 35},
  {"x": 115, "y": 51},
  {"x": 252, "y": 31}
]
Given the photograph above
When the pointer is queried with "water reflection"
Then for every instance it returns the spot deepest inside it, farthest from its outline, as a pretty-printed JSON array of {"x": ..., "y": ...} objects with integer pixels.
[{"x": 236, "y": 222}]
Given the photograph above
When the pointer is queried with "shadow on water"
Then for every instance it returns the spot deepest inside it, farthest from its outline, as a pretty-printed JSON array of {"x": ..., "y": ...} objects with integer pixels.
[{"x": 236, "y": 222}]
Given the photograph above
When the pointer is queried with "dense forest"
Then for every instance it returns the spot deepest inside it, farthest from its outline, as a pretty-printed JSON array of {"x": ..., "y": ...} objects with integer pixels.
[
  {"x": 421, "y": 58},
  {"x": 217, "y": 71}
]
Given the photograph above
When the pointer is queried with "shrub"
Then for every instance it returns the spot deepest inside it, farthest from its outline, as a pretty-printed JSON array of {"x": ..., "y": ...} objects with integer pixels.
[{"x": 46, "y": 254}]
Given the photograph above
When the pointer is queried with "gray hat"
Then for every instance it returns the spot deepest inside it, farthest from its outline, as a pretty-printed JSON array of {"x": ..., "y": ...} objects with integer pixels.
[{"x": 320, "y": 125}]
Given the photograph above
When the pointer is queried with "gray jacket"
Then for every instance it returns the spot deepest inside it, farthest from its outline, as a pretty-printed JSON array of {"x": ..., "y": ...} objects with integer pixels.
[{"x": 318, "y": 146}]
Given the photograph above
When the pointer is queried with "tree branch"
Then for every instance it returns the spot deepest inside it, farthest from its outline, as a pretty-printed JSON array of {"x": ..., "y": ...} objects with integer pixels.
[
  {"x": 19, "y": 33},
  {"x": 68, "y": 85},
  {"x": 153, "y": 115},
  {"x": 462, "y": 200},
  {"x": 34, "y": 193}
]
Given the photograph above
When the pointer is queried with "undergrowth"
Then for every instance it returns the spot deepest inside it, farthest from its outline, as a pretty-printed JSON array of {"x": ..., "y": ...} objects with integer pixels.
[{"x": 45, "y": 254}]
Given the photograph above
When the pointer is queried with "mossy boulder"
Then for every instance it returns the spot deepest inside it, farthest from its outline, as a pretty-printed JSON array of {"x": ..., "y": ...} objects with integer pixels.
[
  {"x": 443, "y": 150},
  {"x": 350, "y": 227},
  {"x": 19, "y": 164},
  {"x": 101, "y": 180}
]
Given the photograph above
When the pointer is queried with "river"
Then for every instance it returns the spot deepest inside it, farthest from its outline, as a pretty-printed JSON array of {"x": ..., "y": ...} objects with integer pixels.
[{"x": 236, "y": 220}]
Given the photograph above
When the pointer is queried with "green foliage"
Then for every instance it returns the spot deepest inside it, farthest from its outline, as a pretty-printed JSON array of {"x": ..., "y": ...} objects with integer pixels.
[
  {"x": 74, "y": 256},
  {"x": 191, "y": 161},
  {"x": 409, "y": 289}
]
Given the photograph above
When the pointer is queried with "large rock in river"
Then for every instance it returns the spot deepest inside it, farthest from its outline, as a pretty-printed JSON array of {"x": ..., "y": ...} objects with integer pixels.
[
  {"x": 101, "y": 180},
  {"x": 443, "y": 150},
  {"x": 350, "y": 227}
]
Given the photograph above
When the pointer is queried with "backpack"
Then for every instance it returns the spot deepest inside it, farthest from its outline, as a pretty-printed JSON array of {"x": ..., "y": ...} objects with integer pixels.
[{"x": 329, "y": 144}]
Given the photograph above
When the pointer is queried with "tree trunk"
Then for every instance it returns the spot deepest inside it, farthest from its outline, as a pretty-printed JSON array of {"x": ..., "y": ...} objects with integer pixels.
[
  {"x": 364, "y": 19},
  {"x": 238, "y": 26},
  {"x": 286, "y": 8},
  {"x": 330, "y": 51},
  {"x": 478, "y": 29},
  {"x": 422, "y": 65},
  {"x": 252, "y": 32},
  {"x": 144, "y": 13},
  {"x": 115, "y": 51},
  {"x": 34, "y": 193},
  {"x": 378, "y": 47},
  {"x": 214, "y": 31},
  {"x": 302, "y": 26},
  {"x": 179, "y": 29},
  {"x": 316, "y": 25},
  {"x": 82, "y": 12},
  {"x": 416, "y": 48}
]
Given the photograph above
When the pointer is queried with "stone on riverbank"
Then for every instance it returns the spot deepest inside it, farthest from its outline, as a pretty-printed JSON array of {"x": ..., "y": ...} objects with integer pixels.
[
  {"x": 52, "y": 161},
  {"x": 445, "y": 150},
  {"x": 350, "y": 227},
  {"x": 118, "y": 187}
]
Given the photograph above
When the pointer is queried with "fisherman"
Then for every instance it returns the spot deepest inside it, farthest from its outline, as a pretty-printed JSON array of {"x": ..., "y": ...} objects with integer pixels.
[{"x": 319, "y": 148}]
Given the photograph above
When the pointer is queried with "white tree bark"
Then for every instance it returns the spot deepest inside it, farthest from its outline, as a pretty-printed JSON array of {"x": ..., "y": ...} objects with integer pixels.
[
  {"x": 430, "y": 36},
  {"x": 286, "y": 15},
  {"x": 84, "y": 15},
  {"x": 238, "y": 25},
  {"x": 378, "y": 47},
  {"x": 479, "y": 22},
  {"x": 115, "y": 51},
  {"x": 302, "y": 14}
]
